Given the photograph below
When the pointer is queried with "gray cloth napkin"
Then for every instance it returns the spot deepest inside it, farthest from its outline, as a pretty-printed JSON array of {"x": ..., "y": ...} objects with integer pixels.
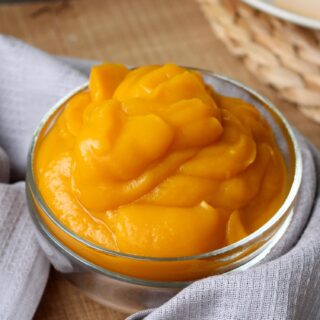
[
  {"x": 286, "y": 285},
  {"x": 30, "y": 82}
]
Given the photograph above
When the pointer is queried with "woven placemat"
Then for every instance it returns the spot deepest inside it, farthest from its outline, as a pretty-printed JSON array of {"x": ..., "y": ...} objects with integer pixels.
[{"x": 279, "y": 53}]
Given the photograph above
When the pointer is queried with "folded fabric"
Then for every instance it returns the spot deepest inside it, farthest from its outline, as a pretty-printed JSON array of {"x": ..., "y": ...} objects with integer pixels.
[
  {"x": 284, "y": 286},
  {"x": 30, "y": 82}
]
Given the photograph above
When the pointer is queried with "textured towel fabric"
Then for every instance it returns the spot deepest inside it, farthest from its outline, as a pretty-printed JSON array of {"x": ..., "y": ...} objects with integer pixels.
[
  {"x": 284, "y": 286},
  {"x": 30, "y": 82}
]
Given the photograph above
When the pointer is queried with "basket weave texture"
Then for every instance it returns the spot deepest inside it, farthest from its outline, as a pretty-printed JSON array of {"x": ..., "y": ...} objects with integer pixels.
[{"x": 279, "y": 53}]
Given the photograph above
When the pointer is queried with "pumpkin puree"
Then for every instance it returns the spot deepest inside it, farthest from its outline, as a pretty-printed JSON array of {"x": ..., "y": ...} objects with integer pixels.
[{"x": 153, "y": 162}]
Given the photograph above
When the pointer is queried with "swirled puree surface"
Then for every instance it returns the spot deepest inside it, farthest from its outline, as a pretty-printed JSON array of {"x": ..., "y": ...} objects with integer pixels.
[{"x": 153, "y": 162}]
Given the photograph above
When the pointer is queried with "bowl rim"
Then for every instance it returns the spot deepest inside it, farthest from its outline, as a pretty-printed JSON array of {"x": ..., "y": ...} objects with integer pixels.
[
  {"x": 275, "y": 10},
  {"x": 266, "y": 103}
]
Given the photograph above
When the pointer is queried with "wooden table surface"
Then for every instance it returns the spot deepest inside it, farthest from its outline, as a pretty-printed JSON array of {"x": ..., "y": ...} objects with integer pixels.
[{"x": 131, "y": 32}]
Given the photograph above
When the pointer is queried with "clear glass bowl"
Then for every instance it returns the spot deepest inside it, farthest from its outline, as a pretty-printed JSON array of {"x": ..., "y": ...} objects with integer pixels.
[{"x": 129, "y": 283}]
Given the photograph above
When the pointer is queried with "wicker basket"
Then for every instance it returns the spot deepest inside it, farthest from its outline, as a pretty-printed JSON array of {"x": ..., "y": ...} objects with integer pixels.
[{"x": 280, "y": 54}]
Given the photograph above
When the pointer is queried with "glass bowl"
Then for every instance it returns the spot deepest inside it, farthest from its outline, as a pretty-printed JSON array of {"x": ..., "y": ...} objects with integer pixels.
[{"x": 130, "y": 283}]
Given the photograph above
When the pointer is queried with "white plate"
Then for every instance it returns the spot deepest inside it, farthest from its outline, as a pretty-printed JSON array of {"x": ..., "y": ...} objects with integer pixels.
[{"x": 270, "y": 7}]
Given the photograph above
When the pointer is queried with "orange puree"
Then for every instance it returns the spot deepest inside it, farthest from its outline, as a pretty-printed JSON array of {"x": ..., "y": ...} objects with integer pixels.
[{"x": 152, "y": 162}]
